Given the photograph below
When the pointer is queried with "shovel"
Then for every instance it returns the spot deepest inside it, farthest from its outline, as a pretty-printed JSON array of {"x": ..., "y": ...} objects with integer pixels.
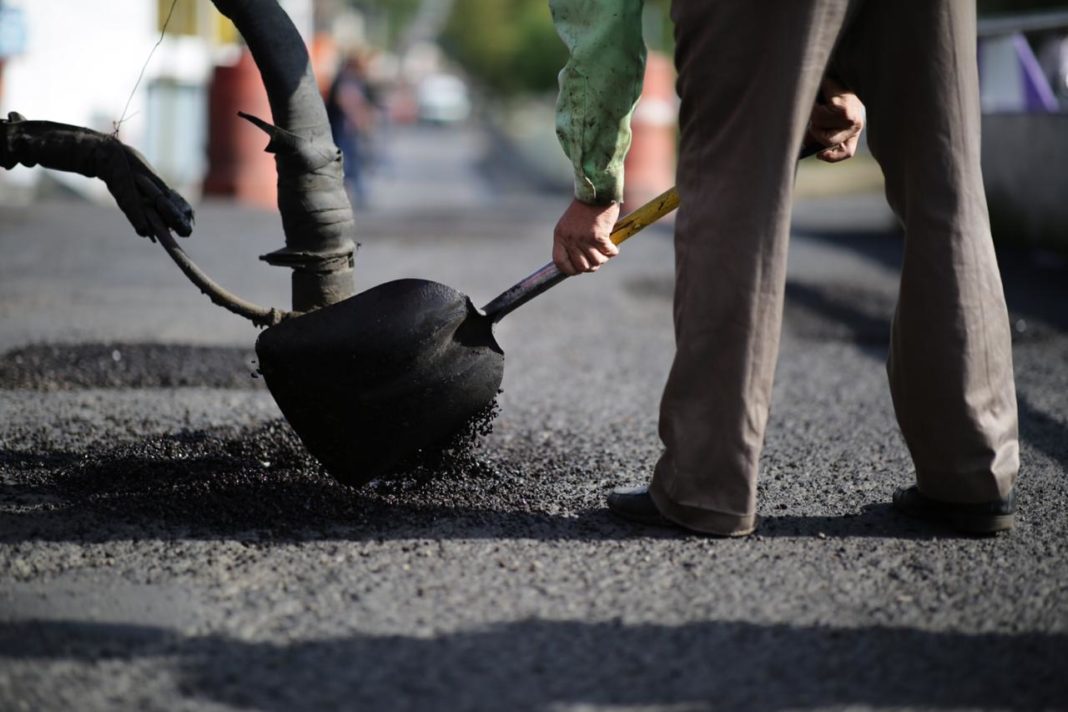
[{"x": 371, "y": 381}]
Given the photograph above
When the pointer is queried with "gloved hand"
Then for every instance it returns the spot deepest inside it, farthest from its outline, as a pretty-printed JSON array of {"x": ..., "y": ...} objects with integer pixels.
[{"x": 148, "y": 203}]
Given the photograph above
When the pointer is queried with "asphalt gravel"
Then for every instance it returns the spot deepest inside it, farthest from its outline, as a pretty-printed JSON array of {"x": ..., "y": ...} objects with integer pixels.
[
  {"x": 166, "y": 543},
  {"x": 52, "y": 367}
]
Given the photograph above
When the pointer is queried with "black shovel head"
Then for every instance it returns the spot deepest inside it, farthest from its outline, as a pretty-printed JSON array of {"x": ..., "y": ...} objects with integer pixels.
[{"x": 369, "y": 382}]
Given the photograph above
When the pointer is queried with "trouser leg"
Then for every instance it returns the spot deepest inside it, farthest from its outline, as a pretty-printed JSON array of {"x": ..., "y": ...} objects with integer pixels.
[
  {"x": 748, "y": 74},
  {"x": 913, "y": 64}
]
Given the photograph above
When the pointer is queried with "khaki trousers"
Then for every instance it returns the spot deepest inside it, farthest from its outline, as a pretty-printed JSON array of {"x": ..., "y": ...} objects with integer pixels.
[{"x": 748, "y": 75}]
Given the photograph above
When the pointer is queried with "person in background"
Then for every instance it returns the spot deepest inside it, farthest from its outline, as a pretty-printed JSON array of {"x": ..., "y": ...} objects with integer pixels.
[
  {"x": 351, "y": 111},
  {"x": 749, "y": 74}
]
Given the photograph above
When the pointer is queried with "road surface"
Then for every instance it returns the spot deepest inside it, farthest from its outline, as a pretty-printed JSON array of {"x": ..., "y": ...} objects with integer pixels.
[{"x": 165, "y": 543}]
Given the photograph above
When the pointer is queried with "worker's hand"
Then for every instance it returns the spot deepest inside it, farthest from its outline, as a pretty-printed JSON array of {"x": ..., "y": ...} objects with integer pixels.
[
  {"x": 836, "y": 122},
  {"x": 581, "y": 241}
]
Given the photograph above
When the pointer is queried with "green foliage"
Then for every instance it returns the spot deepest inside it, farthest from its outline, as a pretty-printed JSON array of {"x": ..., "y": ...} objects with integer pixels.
[
  {"x": 387, "y": 19},
  {"x": 510, "y": 46}
]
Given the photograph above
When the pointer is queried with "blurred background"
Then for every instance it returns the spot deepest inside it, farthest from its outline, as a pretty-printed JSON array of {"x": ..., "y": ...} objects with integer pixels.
[
  {"x": 405, "y": 69},
  {"x": 164, "y": 537}
]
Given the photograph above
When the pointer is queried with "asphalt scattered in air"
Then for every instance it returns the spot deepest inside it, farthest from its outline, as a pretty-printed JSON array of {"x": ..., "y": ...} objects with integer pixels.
[{"x": 452, "y": 457}]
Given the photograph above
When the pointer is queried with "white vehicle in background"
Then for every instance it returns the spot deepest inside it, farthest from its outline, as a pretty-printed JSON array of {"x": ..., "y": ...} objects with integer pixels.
[
  {"x": 442, "y": 99},
  {"x": 1025, "y": 126}
]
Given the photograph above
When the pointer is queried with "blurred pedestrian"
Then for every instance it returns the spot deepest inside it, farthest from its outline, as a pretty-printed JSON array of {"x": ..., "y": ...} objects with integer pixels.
[
  {"x": 351, "y": 111},
  {"x": 748, "y": 77}
]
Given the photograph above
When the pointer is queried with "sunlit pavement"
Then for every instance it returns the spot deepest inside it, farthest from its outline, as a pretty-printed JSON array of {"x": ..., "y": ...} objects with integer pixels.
[{"x": 164, "y": 543}]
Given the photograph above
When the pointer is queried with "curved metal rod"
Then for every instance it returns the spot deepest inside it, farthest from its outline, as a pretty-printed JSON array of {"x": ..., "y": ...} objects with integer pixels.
[{"x": 260, "y": 316}]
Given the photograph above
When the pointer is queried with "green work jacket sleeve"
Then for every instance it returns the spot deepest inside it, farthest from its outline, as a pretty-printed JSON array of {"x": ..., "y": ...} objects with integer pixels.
[{"x": 599, "y": 87}]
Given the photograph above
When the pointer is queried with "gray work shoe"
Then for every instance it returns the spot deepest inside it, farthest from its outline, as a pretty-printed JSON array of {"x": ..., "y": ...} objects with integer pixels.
[
  {"x": 635, "y": 504},
  {"x": 967, "y": 518}
]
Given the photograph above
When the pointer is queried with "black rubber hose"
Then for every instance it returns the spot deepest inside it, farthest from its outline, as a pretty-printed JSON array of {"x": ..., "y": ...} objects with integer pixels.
[{"x": 316, "y": 213}]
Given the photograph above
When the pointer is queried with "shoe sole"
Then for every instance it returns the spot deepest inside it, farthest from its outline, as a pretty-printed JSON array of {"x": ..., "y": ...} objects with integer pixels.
[
  {"x": 652, "y": 520},
  {"x": 982, "y": 525},
  {"x": 976, "y": 525},
  {"x": 662, "y": 522}
]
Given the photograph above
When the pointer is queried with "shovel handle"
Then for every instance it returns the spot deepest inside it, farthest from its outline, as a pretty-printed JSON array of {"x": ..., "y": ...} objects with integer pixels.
[
  {"x": 550, "y": 275},
  {"x": 627, "y": 227}
]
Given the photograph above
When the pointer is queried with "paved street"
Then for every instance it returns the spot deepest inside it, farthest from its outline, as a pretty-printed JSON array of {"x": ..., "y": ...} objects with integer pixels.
[{"x": 166, "y": 544}]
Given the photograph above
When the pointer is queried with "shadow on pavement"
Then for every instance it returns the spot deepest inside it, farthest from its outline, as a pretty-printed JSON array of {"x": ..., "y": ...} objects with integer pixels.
[
  {"x": 863, "y": 318},
  {"x": 839, "y": 314},
  {"x": 883, "y": 247},
  {"x": 1036, "y": 283},
  {"x": 544, "y": 664}
]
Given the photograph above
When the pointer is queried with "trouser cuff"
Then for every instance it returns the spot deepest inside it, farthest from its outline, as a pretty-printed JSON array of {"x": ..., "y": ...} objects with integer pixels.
[{"x": 706, "y": 521}]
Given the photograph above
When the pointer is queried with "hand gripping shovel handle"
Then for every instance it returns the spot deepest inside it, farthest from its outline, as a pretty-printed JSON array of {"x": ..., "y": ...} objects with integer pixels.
[
  {"x": 628, "y": 226},
  {"x": 549, "y": 275}
]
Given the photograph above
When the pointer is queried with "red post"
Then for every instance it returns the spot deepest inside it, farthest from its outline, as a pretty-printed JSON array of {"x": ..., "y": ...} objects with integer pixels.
[
  {"x": 237, "y": 165},
  {"x": 650, "y": 164}
]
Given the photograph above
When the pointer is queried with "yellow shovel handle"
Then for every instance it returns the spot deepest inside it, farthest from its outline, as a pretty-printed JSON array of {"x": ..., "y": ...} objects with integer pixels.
[{"x": 632, "y": 223}]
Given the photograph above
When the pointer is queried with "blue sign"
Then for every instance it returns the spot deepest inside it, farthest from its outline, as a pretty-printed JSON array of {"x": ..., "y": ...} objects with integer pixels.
[{"x": 12, "y": 31}]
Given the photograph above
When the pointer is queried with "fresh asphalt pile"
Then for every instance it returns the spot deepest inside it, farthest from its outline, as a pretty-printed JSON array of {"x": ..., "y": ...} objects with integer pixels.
[
  {"x": 227, "y": 479},
  {"x": 168, "y": 547}
]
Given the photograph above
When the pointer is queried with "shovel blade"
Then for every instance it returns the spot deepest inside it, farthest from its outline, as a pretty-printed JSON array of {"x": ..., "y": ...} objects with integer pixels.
[{"x": 369, "y": 382}]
